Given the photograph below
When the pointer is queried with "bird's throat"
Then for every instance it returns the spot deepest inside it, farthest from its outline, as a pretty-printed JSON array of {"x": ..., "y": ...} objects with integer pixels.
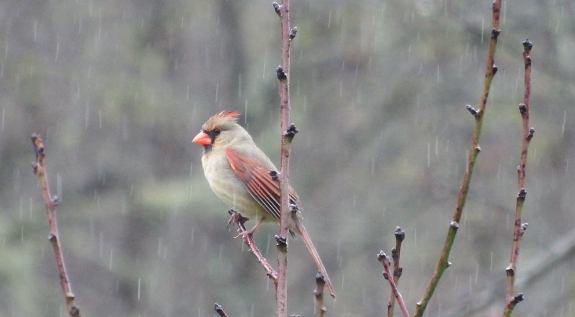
[{"x": 207, "y": 148}]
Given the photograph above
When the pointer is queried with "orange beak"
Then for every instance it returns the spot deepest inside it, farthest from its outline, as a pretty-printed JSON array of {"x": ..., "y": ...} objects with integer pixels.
[{"x": 202, "y": 138}]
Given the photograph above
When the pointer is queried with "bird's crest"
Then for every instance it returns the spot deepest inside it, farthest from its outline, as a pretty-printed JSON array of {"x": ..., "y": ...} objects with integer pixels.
[{"x": 228, "y": 114}]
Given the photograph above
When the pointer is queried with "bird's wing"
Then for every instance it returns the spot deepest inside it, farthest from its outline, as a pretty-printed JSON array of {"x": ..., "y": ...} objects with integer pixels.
[{"x": 257, "y": 180}]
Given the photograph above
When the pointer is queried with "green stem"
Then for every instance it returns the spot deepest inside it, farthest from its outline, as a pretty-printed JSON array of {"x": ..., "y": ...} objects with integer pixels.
[{"x": 490, "y": 70}]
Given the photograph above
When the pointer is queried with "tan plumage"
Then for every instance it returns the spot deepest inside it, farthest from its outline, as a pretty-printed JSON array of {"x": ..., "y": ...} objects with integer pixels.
[{"x": 239, "y": 174}]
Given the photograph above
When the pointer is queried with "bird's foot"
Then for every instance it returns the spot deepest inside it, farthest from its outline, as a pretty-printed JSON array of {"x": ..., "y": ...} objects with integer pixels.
[
  {"x": 236, "y": 218},
  {"x": 245, "y": 233}
]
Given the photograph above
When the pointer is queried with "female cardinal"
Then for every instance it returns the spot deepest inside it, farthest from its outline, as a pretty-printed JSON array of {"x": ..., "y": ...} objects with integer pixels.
[{"x": 239, "y": 174}]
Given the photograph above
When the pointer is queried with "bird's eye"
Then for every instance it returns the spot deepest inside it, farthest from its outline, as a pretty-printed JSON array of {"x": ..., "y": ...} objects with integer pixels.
[{"x": 216, "y": 131}]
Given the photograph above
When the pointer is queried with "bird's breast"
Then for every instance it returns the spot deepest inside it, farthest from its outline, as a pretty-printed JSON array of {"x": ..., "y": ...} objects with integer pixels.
[{"x": 228, "y": 187}]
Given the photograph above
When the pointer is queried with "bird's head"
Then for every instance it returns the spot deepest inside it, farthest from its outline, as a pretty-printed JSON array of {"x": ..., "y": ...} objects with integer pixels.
[{"x": 219, "y": 130}]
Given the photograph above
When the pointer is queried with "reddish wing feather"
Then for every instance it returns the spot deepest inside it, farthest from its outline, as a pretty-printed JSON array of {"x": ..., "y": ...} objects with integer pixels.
[{"x": 258, "y": 181}]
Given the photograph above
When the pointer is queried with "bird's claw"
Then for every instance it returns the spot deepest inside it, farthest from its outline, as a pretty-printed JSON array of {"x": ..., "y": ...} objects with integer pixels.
[
  {"x": 237, "y": 218},
  {"x": 243, "y": 234},
  {"x": 246, "y": 233}
]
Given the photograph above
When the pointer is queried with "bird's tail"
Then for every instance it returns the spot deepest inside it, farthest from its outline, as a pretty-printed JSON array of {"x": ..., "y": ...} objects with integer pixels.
[{"x": 300, "y": 229}]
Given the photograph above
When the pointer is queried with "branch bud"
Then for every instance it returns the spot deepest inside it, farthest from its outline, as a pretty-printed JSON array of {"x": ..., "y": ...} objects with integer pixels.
[
  {"x": 292, "y": 33},
  {"x": 291, "y": 131},
  {"x": 275, "y": 175},
  {"x": 531, "y": 134},
  {"x": 472, "y": 110},
  {"x": 527, "y": 45},
  {"x": 495, "y": 33},
  {"x": 522, "y": 194},
  {"x": 509, "y": 271},
  {"x": 399, "y": 234},
  {"x": 277, "y": 8},
  {"x": 280, "y": 73},
  {"x": 281, "y": 242},
  {"x": 524, "y": 226},
  {"x": 518, "y": 298}
]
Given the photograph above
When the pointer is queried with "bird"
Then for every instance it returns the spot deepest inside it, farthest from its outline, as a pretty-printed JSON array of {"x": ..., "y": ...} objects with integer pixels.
[{"x": 238, "y": 172}]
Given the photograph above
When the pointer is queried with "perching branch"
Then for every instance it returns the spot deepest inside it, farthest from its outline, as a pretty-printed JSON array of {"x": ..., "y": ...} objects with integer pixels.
[
  {"x": 388, "y": 275},
  {"x": 283, "y": 75},
  {"x": 51, "y": 203},
  {"x": 397, "y": 270},
  {"x": 490, "y": 70},
  {"x": 519, "y": 228},
  {"x": 247, "y": 237}
]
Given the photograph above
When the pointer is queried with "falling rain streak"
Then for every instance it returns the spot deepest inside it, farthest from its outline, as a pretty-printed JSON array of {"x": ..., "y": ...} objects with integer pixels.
[
  {"x": 562, "y": 125},
  {"x": 428, "y": 154},
  {"x": 111, "y": 259},
  {"x": 87, "y": 116},
  {"x": 57, "y": 51},
  {"x": 59, "y": 187}
]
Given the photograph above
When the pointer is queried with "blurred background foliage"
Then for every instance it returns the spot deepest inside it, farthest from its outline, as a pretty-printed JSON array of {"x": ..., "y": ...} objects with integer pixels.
[{"x": 118, "y": 88}]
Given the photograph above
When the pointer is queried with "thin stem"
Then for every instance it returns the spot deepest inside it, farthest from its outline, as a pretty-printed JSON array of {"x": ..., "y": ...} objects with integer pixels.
[
  {"x": 51, "y": 203},
  {"x": 490, "y": 70},
  {"x": 397, "y": 269},
  {"x": 283, "y": 75},
  {"x": 320, "y": 285},
  {"x": 519, "y": 228},
  {"x": 388, "y": 275}
]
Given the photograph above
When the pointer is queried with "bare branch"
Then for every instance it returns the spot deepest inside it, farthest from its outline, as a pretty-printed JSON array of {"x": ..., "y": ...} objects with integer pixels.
[
  {"x": 397, "y": 270},
  {"x": 320, "y": 309},
  {"x": 511, "y": 299},
  {"x": 51, "y": 203},
  {"x": 247, "y": 237},
  {"x": 490, "y": 71},
  {"x": 283, "y": 77},
  {"x": 388, "y": 275}
]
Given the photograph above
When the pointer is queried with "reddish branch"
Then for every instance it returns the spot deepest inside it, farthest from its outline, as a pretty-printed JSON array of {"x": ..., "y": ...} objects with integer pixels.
[
  {"x": 519, "y": 228},
  {"x": 51, "y": 203},
  {"x": 283, "y": 75},
  {"x": 388, "y": 275},
  {"x": 237, "y": 219}
]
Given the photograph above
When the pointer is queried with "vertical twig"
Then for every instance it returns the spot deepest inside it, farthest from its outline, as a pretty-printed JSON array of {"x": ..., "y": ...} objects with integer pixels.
[
  {"x": 397, "y": 270},
  {"x": 490, "y": 70},
  {"x": 388, "y": 275},
  {"x": 519, "y": 228},
  {"x": 283, "y": 75},
  {"x": 51, "y": 203},
  {"x": 320, "y": 285}
]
